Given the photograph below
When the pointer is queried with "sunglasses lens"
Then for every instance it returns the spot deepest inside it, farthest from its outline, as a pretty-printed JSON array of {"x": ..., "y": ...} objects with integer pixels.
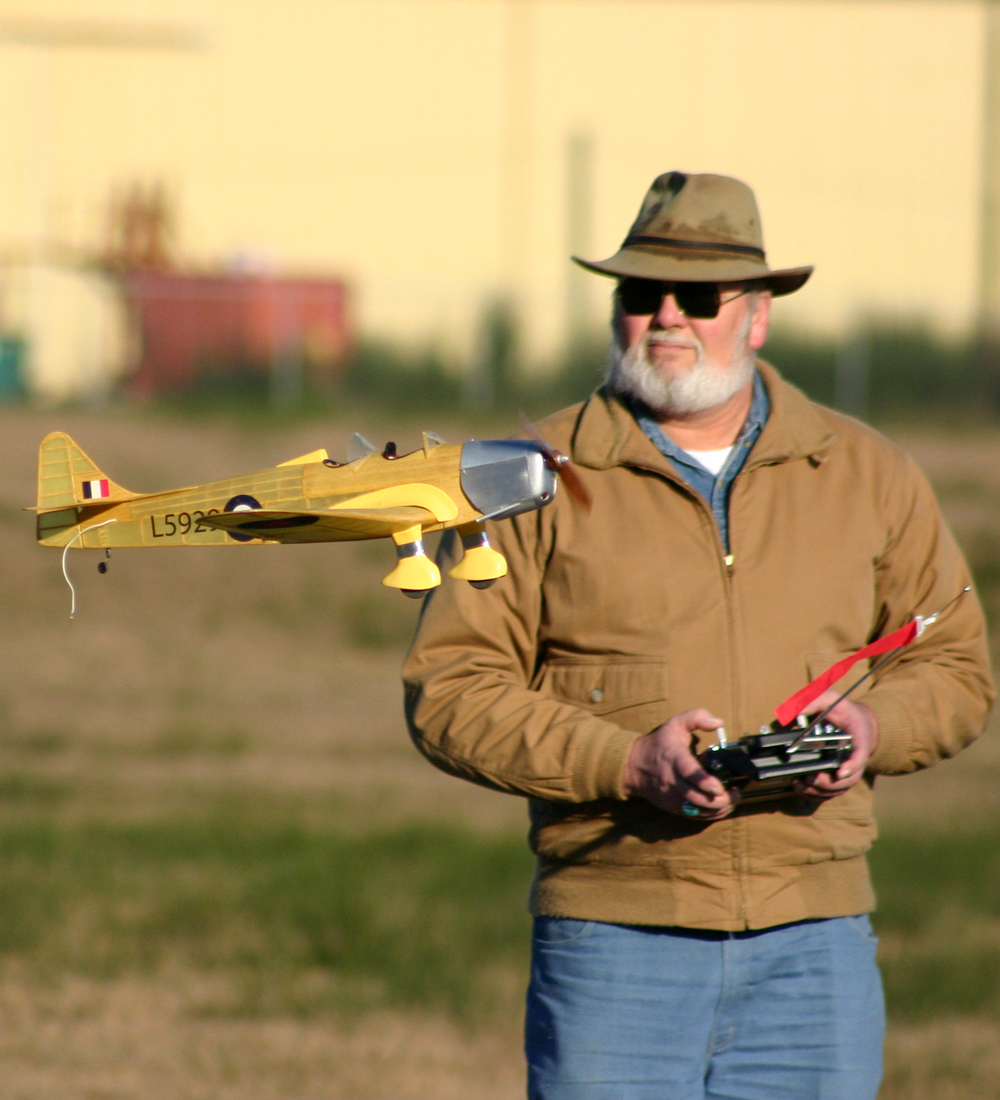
[
  {"x": 640, "y": 297},
  {"x": 700, "y": 300}
]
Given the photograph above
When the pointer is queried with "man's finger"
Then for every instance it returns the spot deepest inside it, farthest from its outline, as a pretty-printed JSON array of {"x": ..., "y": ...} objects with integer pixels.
[
  {"x": 705, "y": 814},
  {"x": 698, "y": 778},
  {"x": 698, "y": 798},
  {"x": 726, "y": 798},
  {"x": 821, "y": 702},
  {"x": 691, "y": 772},
  {"x": 811, "y": 790},
  {"x": 823, "y": 785},
  {"x": 854, "y": 763},
  {"x": 698, "y": 719}
]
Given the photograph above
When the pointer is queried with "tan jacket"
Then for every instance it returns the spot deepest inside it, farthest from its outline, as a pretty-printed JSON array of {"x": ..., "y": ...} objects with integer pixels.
[{"x": 609, "y": 623}]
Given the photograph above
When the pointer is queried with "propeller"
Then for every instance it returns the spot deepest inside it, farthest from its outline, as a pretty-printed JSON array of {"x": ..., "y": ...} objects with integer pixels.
[{"x": 559, "y": 464}]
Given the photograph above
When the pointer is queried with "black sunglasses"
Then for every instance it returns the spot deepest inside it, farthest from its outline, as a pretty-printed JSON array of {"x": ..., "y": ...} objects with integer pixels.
[{"x": 642, "y": 297}]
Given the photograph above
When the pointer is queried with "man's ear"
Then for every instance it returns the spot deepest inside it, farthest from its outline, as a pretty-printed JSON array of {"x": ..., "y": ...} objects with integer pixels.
[{"x": 761, "y": 319}]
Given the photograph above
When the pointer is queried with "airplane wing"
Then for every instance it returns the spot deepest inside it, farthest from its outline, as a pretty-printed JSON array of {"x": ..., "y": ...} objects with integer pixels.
[{"x": 342, "y": 525}]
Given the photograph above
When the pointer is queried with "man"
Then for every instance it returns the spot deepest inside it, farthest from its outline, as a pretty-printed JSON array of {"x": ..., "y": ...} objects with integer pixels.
[{"x": 741, "y": 540}]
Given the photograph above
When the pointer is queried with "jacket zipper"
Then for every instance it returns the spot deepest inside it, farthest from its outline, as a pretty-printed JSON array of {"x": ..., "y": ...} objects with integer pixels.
[
  {"x": 739, "y": 825},
  {"x": 740, "y": 855},
  {"x": 726, "y": 569}
]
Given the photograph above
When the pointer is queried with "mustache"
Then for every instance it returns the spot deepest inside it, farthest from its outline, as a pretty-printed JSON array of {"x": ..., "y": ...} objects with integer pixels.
[
  {"x": 633, "y": 374},
  {"x": 672, "y": 341}
]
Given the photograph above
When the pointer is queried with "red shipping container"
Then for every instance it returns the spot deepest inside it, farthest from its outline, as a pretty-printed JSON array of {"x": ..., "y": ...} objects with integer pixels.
[{"x": 232, "y": 323}]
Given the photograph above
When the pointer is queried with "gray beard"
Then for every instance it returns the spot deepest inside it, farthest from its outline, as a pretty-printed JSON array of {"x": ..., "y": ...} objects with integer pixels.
[{"x": 701, "y": 387}]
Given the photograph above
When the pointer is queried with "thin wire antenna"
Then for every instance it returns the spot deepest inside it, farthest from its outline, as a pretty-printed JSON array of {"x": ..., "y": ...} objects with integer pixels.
[
  {"x": 78, "y": 535},
  {"x": 922, "y": 625}
]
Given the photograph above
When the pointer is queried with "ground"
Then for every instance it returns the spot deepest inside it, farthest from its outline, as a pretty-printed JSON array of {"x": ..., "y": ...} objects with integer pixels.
[{"x": 225, "y": 872}]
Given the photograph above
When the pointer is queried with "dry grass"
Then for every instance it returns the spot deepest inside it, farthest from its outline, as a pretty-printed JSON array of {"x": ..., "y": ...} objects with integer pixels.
[
  {"x": 269, "y": 676},
  {"x": 948, "y": 1059},
  {"x": 131, "y": 1039}
]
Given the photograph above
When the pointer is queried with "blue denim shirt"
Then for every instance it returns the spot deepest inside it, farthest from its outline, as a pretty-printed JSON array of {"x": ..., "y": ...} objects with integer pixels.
[{"x": 715, "y": 489}]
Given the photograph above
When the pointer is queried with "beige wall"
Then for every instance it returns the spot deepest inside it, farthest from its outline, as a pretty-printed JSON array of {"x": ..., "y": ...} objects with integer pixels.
[{"x": 420, "y": 146}]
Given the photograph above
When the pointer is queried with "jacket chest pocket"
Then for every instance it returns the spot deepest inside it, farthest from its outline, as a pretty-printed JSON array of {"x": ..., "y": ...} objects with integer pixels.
[{"x": 632, "y": 693}]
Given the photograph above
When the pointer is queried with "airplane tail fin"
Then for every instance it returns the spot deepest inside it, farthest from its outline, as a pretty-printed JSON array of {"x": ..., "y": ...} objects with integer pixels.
[{"x": 68, "y": 478}]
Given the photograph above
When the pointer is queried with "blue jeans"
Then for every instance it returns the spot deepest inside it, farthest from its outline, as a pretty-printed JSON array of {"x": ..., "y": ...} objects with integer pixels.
[{"x": 619, "y": 1012}]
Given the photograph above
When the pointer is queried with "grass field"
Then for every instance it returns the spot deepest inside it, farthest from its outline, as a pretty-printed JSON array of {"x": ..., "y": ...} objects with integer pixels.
[{"x": 224, "y": 872}]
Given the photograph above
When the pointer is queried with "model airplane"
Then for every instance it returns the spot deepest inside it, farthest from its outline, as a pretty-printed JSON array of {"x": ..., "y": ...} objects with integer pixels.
[{"x": 314, "y": 499}]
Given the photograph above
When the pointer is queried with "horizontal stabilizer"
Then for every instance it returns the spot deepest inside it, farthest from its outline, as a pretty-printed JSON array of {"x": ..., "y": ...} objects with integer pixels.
[
  {"x": 282, "y": 526},
  {"x": 304, "y": 460},
  {"x": 68, "y": 478}
]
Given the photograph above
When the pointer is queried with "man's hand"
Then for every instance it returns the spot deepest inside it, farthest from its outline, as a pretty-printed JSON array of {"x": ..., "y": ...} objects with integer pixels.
[
  {"x": 857, "y": 720},
  {"x": 662, "y": 768}
]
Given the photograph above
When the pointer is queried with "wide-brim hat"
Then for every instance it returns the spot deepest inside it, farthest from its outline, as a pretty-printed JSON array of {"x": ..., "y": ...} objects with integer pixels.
[{"x": 698, "y": 229}]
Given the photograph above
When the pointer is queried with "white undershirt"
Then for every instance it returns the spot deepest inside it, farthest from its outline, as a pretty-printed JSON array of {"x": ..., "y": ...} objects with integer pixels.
[{"x": 713, "y": 461}]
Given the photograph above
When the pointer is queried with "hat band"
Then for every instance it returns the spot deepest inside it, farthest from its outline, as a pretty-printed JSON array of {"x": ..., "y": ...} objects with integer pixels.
[{"x": 700, "y": 246}]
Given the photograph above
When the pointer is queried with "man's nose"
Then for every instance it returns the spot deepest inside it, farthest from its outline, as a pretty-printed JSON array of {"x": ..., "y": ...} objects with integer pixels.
[{"x": 669, "y": 315}]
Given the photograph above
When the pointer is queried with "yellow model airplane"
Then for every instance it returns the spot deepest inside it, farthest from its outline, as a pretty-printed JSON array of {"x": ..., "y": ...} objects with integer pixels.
[{"x": 314, "y": 499}]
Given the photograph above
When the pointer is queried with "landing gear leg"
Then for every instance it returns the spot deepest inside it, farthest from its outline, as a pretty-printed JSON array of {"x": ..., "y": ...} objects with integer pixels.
[
  {"x": 481, "y": 565},
  {"x": 415, "y": 573}
]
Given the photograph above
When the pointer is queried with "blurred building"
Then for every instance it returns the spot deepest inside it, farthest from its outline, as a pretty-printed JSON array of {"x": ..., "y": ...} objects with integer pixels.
[
  {"x": 64, "y": 331},
  {"x": 446, "y": 155}
]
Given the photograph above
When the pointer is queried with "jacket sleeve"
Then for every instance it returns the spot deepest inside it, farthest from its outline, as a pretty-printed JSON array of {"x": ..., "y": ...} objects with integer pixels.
[
  {"x": 935, "y": 698},
  {"x": 470, "y": 706}
]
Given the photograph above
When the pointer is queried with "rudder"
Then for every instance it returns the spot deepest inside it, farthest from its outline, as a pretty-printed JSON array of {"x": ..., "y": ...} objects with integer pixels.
[{"x": 68, "y": 478}]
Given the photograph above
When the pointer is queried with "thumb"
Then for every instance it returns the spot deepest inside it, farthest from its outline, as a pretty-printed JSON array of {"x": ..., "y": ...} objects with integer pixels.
[{"x": 699, "y": 719}]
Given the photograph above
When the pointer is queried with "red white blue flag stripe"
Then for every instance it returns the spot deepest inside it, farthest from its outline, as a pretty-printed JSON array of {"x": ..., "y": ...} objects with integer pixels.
[{"x": 96, "y": 490}]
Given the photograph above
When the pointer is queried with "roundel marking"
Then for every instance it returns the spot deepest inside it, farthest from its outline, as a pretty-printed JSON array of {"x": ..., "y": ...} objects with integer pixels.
[{"x": 241, "y": 503}]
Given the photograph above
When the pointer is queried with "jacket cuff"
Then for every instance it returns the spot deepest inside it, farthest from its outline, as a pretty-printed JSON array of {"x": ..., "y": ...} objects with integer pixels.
[
  {"x": 601, "y": 774},
  {"x": 893, "y": 756}
]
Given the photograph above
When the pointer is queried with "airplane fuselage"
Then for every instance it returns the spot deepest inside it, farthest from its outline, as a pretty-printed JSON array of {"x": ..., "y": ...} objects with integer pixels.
[{"x": 502, "y": 477}]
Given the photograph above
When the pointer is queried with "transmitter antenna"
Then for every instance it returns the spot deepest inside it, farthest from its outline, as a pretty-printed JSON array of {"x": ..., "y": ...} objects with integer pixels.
[{"x": 922, "y": 625}]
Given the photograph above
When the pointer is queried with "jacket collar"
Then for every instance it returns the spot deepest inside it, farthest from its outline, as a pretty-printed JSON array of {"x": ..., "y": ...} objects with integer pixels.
[{"x": 607, "y": 433}]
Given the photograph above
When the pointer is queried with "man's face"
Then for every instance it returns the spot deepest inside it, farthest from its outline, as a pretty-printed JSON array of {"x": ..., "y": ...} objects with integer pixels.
[{"x": 678, "y": 364}]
